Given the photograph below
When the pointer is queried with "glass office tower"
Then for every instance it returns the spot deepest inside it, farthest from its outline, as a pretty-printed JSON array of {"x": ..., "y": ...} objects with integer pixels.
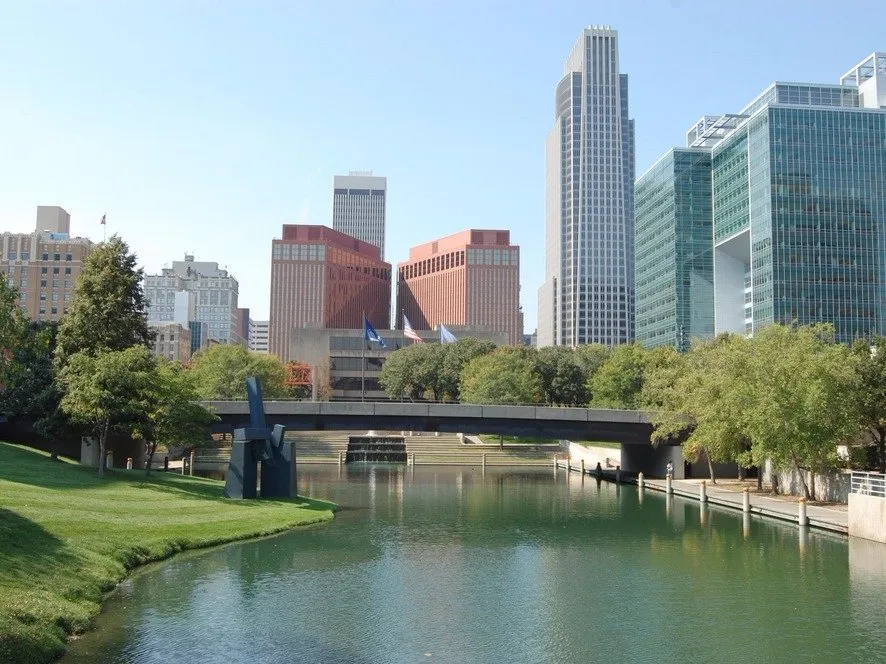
[
  {"x": 673, "y": 250},
  {"x": 588, "y": 294},
  {"x": 798, "y": 182}
]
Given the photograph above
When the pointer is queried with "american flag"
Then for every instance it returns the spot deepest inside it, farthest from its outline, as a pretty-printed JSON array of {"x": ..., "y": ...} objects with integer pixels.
[{"x": 409, "y": 333}]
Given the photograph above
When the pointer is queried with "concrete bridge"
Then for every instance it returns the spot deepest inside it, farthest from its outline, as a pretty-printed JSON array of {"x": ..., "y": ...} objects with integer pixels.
[{"x": 622, "y": 426}]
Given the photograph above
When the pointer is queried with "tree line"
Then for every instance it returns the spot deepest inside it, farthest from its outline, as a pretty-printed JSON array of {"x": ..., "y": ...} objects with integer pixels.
[
  {"x": 790, "y": 394},
  {"x": 94, "y": 374}
]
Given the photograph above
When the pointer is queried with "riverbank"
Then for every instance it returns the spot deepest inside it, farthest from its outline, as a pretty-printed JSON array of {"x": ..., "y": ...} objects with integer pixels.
[
  {"x": 825, "y": 517},
  {"x": 67, "y": 537}
]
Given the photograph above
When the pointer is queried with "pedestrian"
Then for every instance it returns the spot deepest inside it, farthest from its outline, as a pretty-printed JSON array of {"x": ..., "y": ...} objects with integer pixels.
[{"x": 670, "y": 469}]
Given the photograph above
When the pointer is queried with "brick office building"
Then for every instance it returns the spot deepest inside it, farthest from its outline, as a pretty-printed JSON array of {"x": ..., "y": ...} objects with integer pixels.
[
  {"x": 44, "y": 265},
  {"x": 470, "y": 278},
  {"x": 321, "y": 278}
]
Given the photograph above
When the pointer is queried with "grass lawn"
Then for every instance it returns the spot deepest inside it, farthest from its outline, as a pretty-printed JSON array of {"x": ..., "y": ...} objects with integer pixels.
[{"x": 67, "y": 536}]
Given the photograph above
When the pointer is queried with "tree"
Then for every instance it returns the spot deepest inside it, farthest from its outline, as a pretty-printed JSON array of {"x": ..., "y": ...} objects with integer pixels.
[
  {"x": 414, "y": 372},
  {"x": 455, "y": 357},
  {"x": 805, "y": 398},
  {"x": 109, "y": 308},
  {"x": 220, "y": 372},
  {"x": 13, "y": 329},
  {"x": 506, "y": 376},
  {"x": 111, "y": 392},
  {"x": 590, "y": 357},
  {"x": 702, "y": 394},
  {"x": 618, "y": 382},
  {"x": 563, "y": 379},
  {"x": 33, "y": 391},
  {"x": 871, "y": 364},
  {"x": 173, "y": 417}
]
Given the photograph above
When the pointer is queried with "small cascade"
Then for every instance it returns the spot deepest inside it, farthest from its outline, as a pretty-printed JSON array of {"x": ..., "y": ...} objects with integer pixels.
[{"x": 372, "y": 447}]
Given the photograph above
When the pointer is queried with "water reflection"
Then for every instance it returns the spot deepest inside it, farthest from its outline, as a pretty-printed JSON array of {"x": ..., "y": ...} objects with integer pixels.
[{"x": 508, "y": 565}]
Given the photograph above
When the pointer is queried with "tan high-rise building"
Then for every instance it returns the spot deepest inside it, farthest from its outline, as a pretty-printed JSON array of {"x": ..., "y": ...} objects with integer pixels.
[
  {"x": 44, "y": 265},
  {"x": 470, "y": 278},
  {"x": 321, "y": 278}
]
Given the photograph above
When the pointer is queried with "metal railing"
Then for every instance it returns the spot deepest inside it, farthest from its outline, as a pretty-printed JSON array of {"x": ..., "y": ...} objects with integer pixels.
[{"x": 868, "y": 484}]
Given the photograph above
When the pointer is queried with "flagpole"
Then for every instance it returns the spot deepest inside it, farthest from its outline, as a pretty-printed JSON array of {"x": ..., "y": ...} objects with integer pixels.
[{"x": 363, "y": 362}]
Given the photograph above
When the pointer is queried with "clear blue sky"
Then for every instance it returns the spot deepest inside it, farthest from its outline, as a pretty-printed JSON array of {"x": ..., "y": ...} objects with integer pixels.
[{"x": 203, "y": 126}]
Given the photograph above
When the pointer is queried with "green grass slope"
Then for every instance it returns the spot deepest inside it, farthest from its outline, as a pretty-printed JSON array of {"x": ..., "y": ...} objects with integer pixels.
[{"x": 67, "y": 536}]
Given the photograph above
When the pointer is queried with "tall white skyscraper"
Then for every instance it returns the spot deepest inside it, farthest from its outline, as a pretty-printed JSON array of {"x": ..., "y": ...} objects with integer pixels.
[
  {"x": 588, "y": 294},
  {"x": 358, "y": 207}
]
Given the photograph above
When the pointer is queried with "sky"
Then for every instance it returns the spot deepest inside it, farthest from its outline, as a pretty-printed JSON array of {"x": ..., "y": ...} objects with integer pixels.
[{"x": 203, "y": 126}]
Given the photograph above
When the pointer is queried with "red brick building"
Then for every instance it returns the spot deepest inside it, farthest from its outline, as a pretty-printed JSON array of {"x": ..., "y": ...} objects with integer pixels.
[
  {"x": 321, "y": 278},
  {"x": 470, "y": 278}
]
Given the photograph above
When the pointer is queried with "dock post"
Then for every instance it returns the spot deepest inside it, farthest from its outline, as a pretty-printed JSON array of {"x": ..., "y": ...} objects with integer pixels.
[
  {"x": 484, "y": 460},
  {"x": 618, "y": 474},
  {"x": 703, "y": 492},
  {"x": 641, "y": 481},
  {"x": 582, "y": 467},
  {"x": 568, "y": 464},
  {"x": 669, "y": 486},
  {"x": 802, "y": 519},
  {"x": 746, "y": 501}
]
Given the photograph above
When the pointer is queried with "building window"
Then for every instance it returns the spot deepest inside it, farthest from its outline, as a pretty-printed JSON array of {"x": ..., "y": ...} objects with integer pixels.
[
  {"x": 67, "y": 270},
  {"x": 23, "y": 283},
  {"x": 69, "y": 257},
  {"x": 43, "y": 283},
  {"x": 55, "y": 270},
  {"x": 53, "y": 311},
  {"x": 26, "y": 255},
  {"x": 44, "y": 270},
  {"x": 56, "y": 257},
  {"x": 45, "y": 257},
  {"x": 11, "y": 255},
  {"x": 55, "y": 283}
]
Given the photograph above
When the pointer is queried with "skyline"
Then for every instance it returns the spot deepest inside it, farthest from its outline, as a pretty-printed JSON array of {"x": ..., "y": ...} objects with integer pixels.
[{"x": 188, "y": 126}]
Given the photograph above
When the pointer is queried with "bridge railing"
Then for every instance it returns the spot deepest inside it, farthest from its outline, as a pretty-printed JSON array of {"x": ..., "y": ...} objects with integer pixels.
[{"x": 868, "y": 484}]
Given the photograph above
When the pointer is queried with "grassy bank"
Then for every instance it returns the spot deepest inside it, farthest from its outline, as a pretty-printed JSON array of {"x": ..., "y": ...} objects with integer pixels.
[{"x": 67, "y": 536}]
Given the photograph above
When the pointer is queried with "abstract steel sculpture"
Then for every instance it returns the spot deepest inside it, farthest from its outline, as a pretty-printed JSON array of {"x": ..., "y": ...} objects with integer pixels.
[{"x": 259, "y": 444}]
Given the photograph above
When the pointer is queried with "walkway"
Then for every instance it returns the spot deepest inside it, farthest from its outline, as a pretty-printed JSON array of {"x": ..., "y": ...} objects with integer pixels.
[{"x": 834, "y": 518}]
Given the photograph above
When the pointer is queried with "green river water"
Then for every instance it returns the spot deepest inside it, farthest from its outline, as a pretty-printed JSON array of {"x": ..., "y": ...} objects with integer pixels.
[{"x": 443, "y": 564}]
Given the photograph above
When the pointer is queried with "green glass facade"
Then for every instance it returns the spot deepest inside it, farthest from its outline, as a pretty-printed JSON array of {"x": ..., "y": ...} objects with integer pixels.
[
  {"x": 674, "y": 250},
  {"x": 813, "y": 191}
]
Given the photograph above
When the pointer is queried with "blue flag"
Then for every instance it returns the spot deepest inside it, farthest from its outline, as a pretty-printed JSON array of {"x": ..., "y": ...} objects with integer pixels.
[
  {"x": 370, "y": 334},
  {"x": 446, "y": 337}
]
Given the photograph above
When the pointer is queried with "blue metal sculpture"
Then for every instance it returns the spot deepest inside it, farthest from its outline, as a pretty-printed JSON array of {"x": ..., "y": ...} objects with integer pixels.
[{"x": 256, "y": 444}]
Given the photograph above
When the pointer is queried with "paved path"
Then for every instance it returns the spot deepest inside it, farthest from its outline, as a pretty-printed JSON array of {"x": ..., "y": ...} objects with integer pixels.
[{"x": 834, "y": 518}]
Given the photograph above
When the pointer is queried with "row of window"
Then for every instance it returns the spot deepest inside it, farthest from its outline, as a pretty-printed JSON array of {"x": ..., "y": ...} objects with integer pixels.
[{"x": 26, "y": 256}]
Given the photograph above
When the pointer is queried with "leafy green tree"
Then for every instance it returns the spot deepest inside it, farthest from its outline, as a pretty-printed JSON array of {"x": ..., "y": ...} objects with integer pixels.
[
  {"x": 872, "y": 395},
  {"x": 173, "y": 417},
  {"x": 414, "y": 372},
  {"x": 590, "y": 357},
  {"x": 805, "y": 389},
  {"x": 220, "y": 372},
  {"x": 563, "y": 379},
  {"x": 702, "y": 394},
  {"x": 618, "y": 382},
  {"x": 109, "y": 308},
  {"x": 455, "y": 357},
  {"x": 111, "y": 392},
  {"x": 13, "y": 330},
  {"x": 506, "y": 376},
  {"x": 33, "y": 391}
]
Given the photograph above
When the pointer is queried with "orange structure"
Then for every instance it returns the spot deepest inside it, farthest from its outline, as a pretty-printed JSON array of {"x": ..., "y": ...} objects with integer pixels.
[
  {"x": 470, "y": 278},
  {"x": 326, "y": 279},
  {"x": 298, "y": 374}
]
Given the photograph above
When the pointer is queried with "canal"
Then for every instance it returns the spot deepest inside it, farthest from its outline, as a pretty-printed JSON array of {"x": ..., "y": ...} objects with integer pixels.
[{"x": 455, "y": 565}]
